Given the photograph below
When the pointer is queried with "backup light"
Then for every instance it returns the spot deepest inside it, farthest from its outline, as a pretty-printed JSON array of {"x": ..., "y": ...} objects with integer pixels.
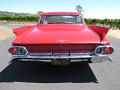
[{"x": 22, "y": 51}]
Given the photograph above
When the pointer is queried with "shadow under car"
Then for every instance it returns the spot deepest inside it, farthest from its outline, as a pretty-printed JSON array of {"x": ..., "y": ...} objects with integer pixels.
[{"x": 39, "y": 72}]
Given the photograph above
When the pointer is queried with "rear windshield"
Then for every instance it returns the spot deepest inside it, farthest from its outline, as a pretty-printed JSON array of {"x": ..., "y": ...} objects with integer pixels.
[{"x": 61, "y": 19}]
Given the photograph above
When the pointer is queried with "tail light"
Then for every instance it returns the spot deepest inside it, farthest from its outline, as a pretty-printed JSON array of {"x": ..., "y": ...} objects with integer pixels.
[
  {"x": 105, "y": 50},
  {"x": 13, "y": 51},
  {"x": 108, "y": 50},
  {"x": 18, "y": 50}
]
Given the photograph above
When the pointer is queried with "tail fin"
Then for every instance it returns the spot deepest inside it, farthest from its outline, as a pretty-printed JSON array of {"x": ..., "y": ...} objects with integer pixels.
[
  {"x": 19, "y": 31},
  {"x": 102, "y": 31}
]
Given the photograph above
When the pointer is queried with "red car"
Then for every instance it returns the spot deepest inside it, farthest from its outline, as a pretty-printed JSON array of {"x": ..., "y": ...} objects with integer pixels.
[{"x": 61, "y": 38}]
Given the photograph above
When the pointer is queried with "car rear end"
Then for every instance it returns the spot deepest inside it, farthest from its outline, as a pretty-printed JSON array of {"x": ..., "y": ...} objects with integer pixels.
[
  {"x": 62, "y": 53},
  {"x": 61, "y": 38}
]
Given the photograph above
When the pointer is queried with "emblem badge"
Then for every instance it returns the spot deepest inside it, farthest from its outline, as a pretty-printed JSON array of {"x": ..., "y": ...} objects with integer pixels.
[{"x": 61, "y": 40}]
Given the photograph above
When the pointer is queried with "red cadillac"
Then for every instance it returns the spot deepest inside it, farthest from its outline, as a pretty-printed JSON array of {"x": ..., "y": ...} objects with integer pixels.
[{"x": 61, "y": 38}]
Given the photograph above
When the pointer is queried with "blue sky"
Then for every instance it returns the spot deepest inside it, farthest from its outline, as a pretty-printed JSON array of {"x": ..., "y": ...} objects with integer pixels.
[{"x": 92, "y": 8}]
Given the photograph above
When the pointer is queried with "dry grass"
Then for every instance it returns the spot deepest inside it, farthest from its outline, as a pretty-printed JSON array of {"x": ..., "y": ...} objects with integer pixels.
[
  {"x": 5, "y": 33},
  {"x": 14, "y": 22},
  {"x": 114, "y": 33}
]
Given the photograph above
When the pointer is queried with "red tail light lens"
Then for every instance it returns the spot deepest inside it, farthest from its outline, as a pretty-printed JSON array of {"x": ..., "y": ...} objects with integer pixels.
[
  {"x": 13, "y": 51},
  {"x": 108, "y": 50}
]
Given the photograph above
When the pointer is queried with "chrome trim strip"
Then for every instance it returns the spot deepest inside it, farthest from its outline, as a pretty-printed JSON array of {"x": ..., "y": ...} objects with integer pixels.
[
  {"x": 37, "y": 54},
  {"x": 70, "y": 54},
  {"x": 53, "y": 57},
  {"x": 93, "y": 59},
  {"x": 58, "y": 56}
]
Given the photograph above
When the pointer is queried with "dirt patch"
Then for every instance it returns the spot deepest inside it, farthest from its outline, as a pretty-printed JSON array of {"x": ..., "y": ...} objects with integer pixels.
[
  {"x": 5, "y": 33},
  {"x": 114, "y": 33}
]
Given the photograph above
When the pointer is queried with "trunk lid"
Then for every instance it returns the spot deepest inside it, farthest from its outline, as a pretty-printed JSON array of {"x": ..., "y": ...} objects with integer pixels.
[{"x": 58, "y": 34}]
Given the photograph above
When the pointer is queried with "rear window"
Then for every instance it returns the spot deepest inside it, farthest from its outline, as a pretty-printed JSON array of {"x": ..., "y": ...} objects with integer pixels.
[{"x": 61, "y": 19}]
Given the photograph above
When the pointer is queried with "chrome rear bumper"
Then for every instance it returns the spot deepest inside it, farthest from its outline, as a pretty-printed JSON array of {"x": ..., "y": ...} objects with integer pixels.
[
  {"x": 75, "y": 58},
  {"x": 93, "y": 57}
]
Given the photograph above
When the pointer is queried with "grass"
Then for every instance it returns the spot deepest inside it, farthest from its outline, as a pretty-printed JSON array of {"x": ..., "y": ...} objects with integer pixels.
[{"x": 14, "y": 22}]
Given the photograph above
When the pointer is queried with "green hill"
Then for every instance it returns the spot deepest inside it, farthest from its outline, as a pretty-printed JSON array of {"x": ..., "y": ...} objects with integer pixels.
[{"x": 6, "y": 13}]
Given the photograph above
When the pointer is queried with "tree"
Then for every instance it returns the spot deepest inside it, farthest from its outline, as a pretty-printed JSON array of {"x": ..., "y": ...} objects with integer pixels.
[
  {"x": 39, "y": 12},
  {"x": 79, "y": 8}
]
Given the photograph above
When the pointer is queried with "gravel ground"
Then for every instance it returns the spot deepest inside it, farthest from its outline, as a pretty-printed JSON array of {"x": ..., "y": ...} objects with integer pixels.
[
  {"x": 114, "y": 34},
  {"x": 5, "y": 33}
]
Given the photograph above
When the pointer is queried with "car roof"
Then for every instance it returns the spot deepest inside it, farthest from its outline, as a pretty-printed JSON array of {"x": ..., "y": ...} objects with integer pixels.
[{"x": 62, "y": 13}]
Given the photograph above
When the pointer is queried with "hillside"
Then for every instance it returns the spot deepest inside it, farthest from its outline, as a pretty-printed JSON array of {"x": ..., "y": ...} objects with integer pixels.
[{"x": 6, "y": 13}]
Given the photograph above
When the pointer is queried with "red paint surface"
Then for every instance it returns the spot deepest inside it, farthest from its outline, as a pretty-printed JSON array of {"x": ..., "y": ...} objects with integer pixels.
[
  {"x": 58, "y": 48},
  {"x": 49, "y": 37},
  {"x": 102, "y": 31},
  {"x": 19, "y": 31},
  {"x": 58, "y": 34},
  {"x": 62, "y": 13}
]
